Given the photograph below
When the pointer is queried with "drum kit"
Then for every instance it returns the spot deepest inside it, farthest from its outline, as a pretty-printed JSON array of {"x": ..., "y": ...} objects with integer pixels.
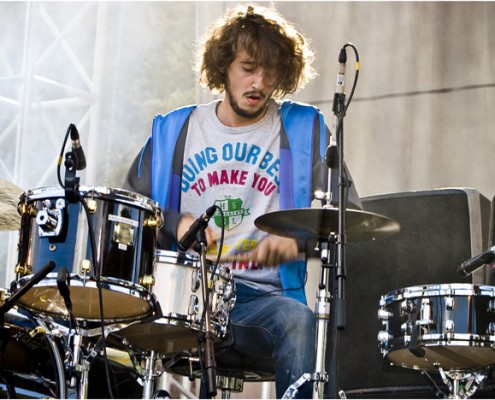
[
  {"x": 89, "y": 281},
  {"x": 91, "y": 284}
]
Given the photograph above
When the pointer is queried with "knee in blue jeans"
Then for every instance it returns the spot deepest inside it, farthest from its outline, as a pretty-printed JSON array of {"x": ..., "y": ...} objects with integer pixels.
[{"x": 299, "y": 318}]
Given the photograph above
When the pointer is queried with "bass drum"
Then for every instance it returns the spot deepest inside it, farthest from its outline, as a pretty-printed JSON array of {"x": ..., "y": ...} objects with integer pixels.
[
  {"x": 54, "y": 227},
  {"x": 448, "y": 325},
  {"x": 32, "y": 365}
]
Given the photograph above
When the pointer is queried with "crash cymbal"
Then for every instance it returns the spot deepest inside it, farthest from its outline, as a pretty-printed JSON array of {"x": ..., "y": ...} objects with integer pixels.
[
  {"x": 318, "y": 223},
  {"x": 10, "y": 219}
]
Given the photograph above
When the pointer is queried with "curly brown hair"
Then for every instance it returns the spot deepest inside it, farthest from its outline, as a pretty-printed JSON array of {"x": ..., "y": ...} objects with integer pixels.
[{"x": 273, "y": 43}]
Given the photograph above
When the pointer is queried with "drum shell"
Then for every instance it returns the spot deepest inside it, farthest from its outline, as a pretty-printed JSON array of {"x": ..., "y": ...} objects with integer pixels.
[
  {"x": 181, "y": 271},
  {"x": 178, "y": 294},
  {"x": 125, "y": 247},
  {"x": 454, "y": 326},
  {"x": 32, "y": 363}
]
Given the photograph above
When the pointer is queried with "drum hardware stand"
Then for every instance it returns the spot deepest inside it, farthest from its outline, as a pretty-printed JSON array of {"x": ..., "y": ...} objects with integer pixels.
[
  {"x": 322, "y": 315},
  {"x": 149, "y": 375},
  {"x": 151, "y": 372},
  {"x": 436, "y": 390},
  {"x": 155, "y": 367},
  {"x": 470, "y": 381},
  {"x": 81, "y": 364}
]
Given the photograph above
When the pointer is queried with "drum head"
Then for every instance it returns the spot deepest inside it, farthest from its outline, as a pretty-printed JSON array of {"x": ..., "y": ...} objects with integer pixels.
[
  {"x": 121, "y": 302},
  {"x": 165, "y": 335},
  {"x": 449, "y": 357}
]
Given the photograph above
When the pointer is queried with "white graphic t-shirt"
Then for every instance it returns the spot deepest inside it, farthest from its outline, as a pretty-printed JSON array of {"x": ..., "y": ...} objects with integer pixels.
[{"x": 236, "y": 168}]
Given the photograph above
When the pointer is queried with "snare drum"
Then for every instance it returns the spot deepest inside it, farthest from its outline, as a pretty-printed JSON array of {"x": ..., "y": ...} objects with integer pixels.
[
  {"x": 178, "y": 292},
  {"x": 451, "y": 326},
  {"x": 52, "y": 228}
]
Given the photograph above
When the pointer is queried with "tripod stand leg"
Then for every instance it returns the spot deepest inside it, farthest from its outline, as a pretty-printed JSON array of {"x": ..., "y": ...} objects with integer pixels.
[
  {"x": 83, "y": 384},
  {"x": 322, "y": 317},
  {"x": 148, "y": 385},
  {"x": 294, "y": 388}
]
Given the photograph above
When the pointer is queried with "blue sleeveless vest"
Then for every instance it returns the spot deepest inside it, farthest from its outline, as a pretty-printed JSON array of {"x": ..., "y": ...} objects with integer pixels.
[{"x": 298, "y": 121}]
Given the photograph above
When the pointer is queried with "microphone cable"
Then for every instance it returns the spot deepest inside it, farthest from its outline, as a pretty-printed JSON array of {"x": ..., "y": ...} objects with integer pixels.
[
  {"x": 98, "y": 285},
  {"x": 91, "y": 235},
  {"x": 61, "y": 156},
  {"x": 356, "y": 74}
]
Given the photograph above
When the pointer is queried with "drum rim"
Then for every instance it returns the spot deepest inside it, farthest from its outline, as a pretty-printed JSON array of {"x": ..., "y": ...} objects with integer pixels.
[
  {"x": 103, "y": 192},
  {"x": 115, "y": 285},
  {"x": 88, "y": 282},
  {"x": 190, "y": 260},
  {"x": 458, "y": 341},
  {"x": 441, "y": 289}
]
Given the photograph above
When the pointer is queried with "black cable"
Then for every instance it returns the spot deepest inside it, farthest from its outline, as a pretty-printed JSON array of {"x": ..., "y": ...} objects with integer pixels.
[
  {"x": 98, "y": 285},
  {"x": 95, "y": 261},
  {"x": 219, "y": 252},
  {"x": 356, "y": 75},
  {"x": 414, "y": 93},
  {"x": 61, "y": 156}
]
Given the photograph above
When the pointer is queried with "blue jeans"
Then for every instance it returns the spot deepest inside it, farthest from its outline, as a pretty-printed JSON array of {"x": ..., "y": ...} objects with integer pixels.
[{"x": 279, "y": 327}]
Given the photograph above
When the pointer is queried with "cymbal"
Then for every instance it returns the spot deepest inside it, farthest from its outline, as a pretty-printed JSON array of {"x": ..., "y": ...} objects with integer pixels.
[
  {"x": 10, "y": 219},
  {"x": 318, "y": 223}
]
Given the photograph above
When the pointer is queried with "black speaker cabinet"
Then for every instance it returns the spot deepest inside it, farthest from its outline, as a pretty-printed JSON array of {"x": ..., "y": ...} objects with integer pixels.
[{"x": 440, "y": 229}]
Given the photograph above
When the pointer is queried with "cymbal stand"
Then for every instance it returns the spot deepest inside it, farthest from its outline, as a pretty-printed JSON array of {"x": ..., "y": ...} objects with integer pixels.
[
  {"x": 336, "y": 250},
  {"x": 322, "y": 315},
  {"x": 339, "y": 303}
]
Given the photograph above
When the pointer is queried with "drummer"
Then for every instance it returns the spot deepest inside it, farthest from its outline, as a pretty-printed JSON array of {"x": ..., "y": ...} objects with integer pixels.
[{"x": 249, "y": 154}]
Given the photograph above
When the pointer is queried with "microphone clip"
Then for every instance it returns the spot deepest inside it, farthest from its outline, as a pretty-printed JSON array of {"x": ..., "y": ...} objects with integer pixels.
[
  {"x": 197, "y": 227},
  {"x": 71, "y": 180}
]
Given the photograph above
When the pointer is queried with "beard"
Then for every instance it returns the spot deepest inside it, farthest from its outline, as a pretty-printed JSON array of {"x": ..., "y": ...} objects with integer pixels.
[{"x": 241, "y": 112}]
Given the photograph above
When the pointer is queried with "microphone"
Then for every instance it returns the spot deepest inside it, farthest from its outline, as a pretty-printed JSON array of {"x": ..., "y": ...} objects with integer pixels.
[
  {"x": 471, "y": 265},
  {"x": 331, "y": 155},
  {"x": 188, "y": 239},
  {"x": 63, "y": 288},
  {"x": 77, "y": 148},
  {"x": 35, "y": 279}
]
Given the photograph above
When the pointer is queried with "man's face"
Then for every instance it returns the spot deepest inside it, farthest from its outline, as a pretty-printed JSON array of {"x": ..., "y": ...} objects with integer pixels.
[{"x": 248, "y": 88}]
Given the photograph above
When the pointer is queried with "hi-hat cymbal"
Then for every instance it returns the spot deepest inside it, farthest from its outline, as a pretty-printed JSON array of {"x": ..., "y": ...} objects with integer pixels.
[
  {"x": 319, "y": 223},
  {"x": 10, "y": 219}
]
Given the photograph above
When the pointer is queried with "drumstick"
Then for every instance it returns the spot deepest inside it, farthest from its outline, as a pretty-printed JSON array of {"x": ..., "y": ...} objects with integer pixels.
[
  {"x": 240, "y": 257},
  {"x": 246, "y": 257}
]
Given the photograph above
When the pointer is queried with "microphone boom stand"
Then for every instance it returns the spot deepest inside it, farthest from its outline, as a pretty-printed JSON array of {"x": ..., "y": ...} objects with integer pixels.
[
  {"x": 209, "y": 352},
  {"x": 336, "y": 248}
]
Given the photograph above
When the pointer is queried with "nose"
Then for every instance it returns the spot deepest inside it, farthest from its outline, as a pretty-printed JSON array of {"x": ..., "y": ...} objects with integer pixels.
[{"x": 262, "y": 79}]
